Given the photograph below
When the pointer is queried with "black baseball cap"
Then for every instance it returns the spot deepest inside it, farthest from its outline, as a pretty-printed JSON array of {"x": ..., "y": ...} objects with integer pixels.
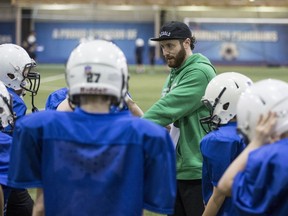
[{"x": 173, "y": 30}]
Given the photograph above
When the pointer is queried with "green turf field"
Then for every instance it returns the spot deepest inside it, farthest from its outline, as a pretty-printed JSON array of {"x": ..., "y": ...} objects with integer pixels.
[{"x": 145, "y": 88}]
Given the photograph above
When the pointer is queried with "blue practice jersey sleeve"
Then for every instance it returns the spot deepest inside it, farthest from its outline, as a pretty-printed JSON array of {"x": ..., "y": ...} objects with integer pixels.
[
  {"x": 5, "y": 148},
  {"x": 157, "y": 172},
  {"x": 55, "y": 98},
  {"x": 29, "y": 153},
  {"x": 262, "y": 188}
]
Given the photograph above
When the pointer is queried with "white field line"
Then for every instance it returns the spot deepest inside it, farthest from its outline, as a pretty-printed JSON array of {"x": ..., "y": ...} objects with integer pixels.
[
  {"x": 52, "y": 78},
  {"x": 49, "y": 88}
]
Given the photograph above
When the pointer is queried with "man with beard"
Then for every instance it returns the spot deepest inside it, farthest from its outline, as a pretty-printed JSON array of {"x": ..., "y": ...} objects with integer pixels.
[{"x": 180, "y": 110}]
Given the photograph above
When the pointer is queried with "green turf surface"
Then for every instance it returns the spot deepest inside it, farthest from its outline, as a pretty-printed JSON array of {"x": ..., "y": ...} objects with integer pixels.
[{"x": 145, "y": 88}]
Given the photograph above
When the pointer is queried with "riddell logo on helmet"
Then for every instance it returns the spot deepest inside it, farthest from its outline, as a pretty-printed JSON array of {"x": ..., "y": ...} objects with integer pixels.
[
  {"x": 87, "y": 69},
  {"x": 165, "y": 33},
  {"x": 93, "y": 90}
]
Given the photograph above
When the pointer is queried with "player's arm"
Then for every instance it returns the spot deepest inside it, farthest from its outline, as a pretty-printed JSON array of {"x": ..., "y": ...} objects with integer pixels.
[
  {"x": 184, "y": 99},
  {"x": 215, "y": 202},
  {"x": 264, "y": 128},
  {"x": 65, "y": 106},
  {"x": 38, "y": 209},
  {"x": 133, "y": 107},
  {"x": 136, "y": 110}
]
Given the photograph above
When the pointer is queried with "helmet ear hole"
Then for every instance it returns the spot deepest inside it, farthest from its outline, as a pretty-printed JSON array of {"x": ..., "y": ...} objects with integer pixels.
[
  {"x": 226, "y": 106},
  {"x": 11, "y": 76}
]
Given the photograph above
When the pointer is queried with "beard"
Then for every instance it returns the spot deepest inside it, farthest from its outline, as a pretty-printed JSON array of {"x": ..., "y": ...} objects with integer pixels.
[{"x": 175, "y": 62}]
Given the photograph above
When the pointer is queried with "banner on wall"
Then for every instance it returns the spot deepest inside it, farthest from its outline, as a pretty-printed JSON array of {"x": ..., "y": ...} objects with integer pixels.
[
  {"x": 241, "y": 41},
  {"x": 7, "y": 32},
  {"x": 58, "y": 39}
]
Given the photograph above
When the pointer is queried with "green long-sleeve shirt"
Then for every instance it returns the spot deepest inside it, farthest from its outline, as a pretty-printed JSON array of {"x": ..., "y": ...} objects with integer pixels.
[{"x": 181, "y": 104}]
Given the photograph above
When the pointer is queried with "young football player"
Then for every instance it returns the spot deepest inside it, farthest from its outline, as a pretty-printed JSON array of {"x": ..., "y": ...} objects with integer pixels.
[
  {"x": 222, "y": 144},
  {"x": 17, "y": 72},
  {"x": 92, "y": 161},
  {"x": 257, "y": 179},
  {"x": 6, "y": 118}
]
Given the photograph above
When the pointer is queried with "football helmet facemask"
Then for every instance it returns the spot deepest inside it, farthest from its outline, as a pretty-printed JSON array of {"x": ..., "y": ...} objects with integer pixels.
[
  {"x": 221, "y": 97},
  {"x": 17, "y": 69}
]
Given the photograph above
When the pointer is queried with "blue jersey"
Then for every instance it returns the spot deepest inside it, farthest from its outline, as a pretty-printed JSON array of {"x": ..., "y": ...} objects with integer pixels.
[
  {"x": 94, "y": 164},
  {"x": 19, "y": 107},
  {"x": 5, "y": 147},
  {"x": 56, "y": 97},
  {"x": 262, "y": 187},
  {"x": 219, "y": 148}
]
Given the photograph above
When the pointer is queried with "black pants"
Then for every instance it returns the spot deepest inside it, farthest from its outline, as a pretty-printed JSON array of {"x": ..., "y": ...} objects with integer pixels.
[
  {"x": 189, "y": 200},
  {"x": 20, "y": 203}
]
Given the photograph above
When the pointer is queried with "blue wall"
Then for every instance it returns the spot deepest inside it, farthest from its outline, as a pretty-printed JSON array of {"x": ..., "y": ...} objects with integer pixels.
[
  {"x": 59, "y": 39},
  {"x": 236, "y": 43},
  {"x": 223, "y": 43},
  {"x": 7, "y": 32}
]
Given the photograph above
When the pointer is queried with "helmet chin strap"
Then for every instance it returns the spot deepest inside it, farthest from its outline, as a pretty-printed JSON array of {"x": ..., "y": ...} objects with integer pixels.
[
  {"x": 34, "y": 108},
  {"x": 71, "y": 104},
  {"x": 122, "y": 94}
]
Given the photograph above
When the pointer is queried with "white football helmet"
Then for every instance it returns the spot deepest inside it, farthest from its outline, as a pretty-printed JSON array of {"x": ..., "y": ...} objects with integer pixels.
[
  {"x": 221, "y": 96},
  {"x": 6, "y": 113},
  {"x": 264, "y": 96},
  {"x": 97, "y": 67},
  {"x": 16, "y": 69}
]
